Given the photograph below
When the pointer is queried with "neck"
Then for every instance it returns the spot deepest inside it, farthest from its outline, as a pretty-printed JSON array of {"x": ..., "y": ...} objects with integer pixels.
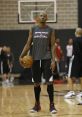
[
  {"x": 42, "y": 25},
  {"x": 70, "y": 44}
]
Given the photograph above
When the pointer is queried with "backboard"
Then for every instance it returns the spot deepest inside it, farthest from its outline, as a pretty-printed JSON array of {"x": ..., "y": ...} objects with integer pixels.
[{"x": 29, "y": 9}]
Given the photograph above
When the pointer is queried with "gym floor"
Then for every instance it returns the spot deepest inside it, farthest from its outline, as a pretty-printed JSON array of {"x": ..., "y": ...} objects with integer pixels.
[{"x": 18, "y": 100}]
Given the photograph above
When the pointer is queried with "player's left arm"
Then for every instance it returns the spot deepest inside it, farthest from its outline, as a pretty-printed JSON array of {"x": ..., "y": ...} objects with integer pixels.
[{"x": 53, "y": 50}]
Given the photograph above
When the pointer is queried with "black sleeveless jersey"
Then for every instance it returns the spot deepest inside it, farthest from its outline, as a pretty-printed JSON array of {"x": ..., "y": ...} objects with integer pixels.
[{"x": 41, "y": 42}]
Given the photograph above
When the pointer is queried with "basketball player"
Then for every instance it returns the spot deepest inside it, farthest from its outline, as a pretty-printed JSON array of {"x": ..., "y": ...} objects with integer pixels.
[
  {"x": 76, "y": 70},
  {"x": 4, "y": 66},
  {"x": 69, "y": 51},
  {"x": 59, "y": 53},
  {"x": 43, "y": 39},
  {"x": 58, "y": 57}
]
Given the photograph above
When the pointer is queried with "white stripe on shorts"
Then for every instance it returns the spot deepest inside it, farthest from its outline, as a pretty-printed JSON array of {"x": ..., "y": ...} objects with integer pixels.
[{"x": 70, "y": 66}]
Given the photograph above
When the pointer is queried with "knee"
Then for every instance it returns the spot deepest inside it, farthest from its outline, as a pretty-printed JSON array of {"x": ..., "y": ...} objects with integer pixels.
[{"x": 36, "y": 84}]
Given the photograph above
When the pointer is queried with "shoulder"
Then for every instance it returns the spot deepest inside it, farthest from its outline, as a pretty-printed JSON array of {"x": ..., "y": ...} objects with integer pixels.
[
  {"x": 67, "y": 47},
  {"x": 34, "y": 27},
  {"x": 50, "y": 28}
]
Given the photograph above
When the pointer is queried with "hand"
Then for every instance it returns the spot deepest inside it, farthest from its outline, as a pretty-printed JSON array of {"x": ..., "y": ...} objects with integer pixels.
[
  {"x": 72, "y": 58},
  {"x": 10, "y": 65},
  {"x": 58, "y": 60},
  {"x": 21, "y": 61},
  {"x": 52, "y": 67}
]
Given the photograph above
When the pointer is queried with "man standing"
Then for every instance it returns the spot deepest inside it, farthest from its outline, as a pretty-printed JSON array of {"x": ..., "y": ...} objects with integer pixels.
[
  {"x": 76, "y": 70},
  {"x": 59, "y": 55},
  {"x": 43, "y": 39}
]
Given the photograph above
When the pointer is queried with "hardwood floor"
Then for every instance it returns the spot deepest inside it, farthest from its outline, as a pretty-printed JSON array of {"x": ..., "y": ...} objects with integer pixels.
[{"x": 18, "y": 100}]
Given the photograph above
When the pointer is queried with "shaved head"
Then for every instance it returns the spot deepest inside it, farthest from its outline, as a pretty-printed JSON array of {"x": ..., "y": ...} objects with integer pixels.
[
  {"x": 78, "y": 31},
  {"x": 43, "y": 13},
  {"x": 42, "y": 17}
]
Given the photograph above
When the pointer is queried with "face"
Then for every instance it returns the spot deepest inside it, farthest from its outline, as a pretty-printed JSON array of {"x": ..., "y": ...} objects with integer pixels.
[
  {"x": 70, "y": 41},
  {"x": 42, "y": 17},
  {"x": 57, "y": 40}
]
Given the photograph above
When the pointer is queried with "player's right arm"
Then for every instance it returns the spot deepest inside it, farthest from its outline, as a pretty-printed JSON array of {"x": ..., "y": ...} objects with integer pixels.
[{"x": 27, "y": 45}]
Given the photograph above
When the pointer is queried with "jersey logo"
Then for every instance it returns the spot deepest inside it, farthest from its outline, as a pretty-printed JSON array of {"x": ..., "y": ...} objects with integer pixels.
[{"x": 41, "y": 35}]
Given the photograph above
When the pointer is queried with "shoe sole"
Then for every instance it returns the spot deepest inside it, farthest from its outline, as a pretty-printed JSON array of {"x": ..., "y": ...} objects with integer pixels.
[
  {"x": 34, "y": 111},
  {"x": 54, "y": 112}
]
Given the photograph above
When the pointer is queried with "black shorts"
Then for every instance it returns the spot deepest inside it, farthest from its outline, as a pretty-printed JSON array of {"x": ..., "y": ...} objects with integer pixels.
[
  {"x": 39, "y": 67},
  {"x": 68, "y": 61},
  {"x": 76, "y": 70},
  {"x": 4, "y": 68}
]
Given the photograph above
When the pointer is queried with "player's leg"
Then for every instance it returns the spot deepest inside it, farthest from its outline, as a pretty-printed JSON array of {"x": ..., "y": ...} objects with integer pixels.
[
  {"x": 79, "y": 95},
  {"x": 50, "y": 88},
  {"x": 5, "y": 71},
  {"x": 37, "y": 88},
  {"x": 71, "y": 70}
]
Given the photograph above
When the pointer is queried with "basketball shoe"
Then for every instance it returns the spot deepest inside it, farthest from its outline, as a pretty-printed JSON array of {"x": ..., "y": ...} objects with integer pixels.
[
  {"x": 36, "y": 108},
  {"x": 70, "y": 94},
  {"x": 79, "y": 95},
  {"x": 52, "y": 108}
]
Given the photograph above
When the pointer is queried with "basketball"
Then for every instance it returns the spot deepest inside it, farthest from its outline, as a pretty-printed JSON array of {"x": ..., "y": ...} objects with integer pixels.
[{"x": 27, "y": 61}]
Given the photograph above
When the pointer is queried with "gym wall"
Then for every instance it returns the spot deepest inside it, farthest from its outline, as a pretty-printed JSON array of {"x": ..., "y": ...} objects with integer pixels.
[
  {"x": 67, "y": 15},
  {"x": 14, "y": 34}
]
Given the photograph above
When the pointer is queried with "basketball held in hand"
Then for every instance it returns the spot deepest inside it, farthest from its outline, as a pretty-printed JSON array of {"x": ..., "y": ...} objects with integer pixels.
[{"x": 27, "y": 61}]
